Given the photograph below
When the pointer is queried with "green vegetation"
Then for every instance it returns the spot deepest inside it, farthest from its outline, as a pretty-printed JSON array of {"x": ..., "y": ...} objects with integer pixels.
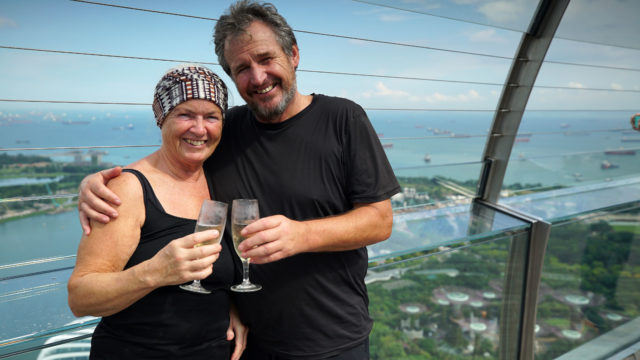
[
  {"x": 594, "y": 259},
  {"x": 439, "y": 335},
  {"x": 439, "y": 189},
  {"x": 591, "y": 259},
  {"x": 430, "y": 186},
  {"x": 65, "y": 180},
  {"x": 6, "y": 159}
]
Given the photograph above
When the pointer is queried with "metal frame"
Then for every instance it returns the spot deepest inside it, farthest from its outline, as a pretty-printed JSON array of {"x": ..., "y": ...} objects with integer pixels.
[
  {"x": 515, "y": 94},
  {"x": 517, "y": 321},
  {"x": 521, "y": 284}
]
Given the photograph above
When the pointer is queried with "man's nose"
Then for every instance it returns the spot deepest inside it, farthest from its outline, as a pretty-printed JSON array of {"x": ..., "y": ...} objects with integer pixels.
[{"x": 258, "y": 75}]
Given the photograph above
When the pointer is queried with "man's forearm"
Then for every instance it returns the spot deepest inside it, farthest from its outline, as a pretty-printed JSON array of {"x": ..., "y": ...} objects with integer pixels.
[{"x": 366, "y": 224}]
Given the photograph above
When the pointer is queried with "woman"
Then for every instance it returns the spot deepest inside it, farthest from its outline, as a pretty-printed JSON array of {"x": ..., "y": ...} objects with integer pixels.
[{"x": 128, "y": 271}]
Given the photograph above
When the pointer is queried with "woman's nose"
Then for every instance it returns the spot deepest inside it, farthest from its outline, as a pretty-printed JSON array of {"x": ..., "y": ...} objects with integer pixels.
[{"x": 198, "y": 127}]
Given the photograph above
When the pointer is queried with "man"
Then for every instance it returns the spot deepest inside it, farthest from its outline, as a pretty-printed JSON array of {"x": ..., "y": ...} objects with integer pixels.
[{"x": 323, "y": 183}]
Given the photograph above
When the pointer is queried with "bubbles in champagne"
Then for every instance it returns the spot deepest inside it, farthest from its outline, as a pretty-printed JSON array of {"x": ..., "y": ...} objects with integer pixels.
[
  {"x": 203, "y": 227},
  {"x": 237, "y": 238}
]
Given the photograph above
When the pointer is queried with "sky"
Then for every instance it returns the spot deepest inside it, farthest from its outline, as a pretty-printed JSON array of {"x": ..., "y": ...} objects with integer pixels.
[{"x": 65, "y": 25}]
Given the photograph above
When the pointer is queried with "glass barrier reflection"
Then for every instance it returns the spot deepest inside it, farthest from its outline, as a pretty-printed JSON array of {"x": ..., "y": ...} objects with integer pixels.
[
  {"x": 590, "y": 285},
  {"x": 446, "y": 305}
]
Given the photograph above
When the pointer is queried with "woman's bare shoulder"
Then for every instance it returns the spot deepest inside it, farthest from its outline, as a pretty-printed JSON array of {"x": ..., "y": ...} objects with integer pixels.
[{"x": 126, "y": 186}]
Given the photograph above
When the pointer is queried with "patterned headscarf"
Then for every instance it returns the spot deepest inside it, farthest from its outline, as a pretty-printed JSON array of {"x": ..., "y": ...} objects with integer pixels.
[{"x": 186, "y": 82}]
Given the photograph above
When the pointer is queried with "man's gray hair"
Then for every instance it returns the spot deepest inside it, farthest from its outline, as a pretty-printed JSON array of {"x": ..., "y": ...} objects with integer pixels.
[{"x": 238, "y": 18}]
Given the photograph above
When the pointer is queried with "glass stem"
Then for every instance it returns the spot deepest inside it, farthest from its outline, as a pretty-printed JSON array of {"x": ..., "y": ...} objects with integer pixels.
[{"x": 245, "y": 271}]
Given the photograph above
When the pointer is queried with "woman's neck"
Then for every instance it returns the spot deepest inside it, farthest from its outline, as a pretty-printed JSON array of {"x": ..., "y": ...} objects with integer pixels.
[{"x": 176, "y": 169}]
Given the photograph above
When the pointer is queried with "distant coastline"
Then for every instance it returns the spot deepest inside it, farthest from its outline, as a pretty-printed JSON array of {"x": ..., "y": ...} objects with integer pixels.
[{"x": 12, "y": 215}]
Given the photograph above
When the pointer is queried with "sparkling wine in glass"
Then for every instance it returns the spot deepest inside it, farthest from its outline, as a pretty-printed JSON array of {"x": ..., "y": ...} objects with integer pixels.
[
  {"x": 213, "y": 215},
  {"x": 243, "y": 213}
]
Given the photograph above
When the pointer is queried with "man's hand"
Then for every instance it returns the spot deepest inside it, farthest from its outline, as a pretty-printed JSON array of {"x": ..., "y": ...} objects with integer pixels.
[
  {"x": 273, "y": 238},
  {"x": 94, "y": 198},
  {"x": 238, "y": 331},
  {"x": 276, "y": 237}
]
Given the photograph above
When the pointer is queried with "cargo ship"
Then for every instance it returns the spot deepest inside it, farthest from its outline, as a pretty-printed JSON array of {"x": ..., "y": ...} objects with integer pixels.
[
  {"x": 620, "y": 152},
  {"x": 630, "y": 139}
]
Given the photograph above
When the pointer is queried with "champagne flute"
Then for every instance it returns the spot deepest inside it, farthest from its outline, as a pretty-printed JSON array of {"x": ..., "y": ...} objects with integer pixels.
[
  {"x": 243, "y": 213},
  {"x": 213, "y": 216}
]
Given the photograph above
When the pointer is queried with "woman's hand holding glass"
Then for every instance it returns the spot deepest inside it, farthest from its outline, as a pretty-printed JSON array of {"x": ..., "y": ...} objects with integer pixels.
[
  {"x": 182, "y": 260},
  {"x": 213, "y": 215}
]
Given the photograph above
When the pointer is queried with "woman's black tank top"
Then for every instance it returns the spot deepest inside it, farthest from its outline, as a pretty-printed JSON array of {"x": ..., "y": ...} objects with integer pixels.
[{"x": 168, "y": 323}]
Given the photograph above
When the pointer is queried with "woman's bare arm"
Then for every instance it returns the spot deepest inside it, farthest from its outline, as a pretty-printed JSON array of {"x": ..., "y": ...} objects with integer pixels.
[{"x": 99, "y": 286}]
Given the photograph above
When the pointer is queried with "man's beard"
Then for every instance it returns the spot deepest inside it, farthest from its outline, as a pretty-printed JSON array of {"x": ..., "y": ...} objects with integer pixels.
[{"x": 272, "y": 114}]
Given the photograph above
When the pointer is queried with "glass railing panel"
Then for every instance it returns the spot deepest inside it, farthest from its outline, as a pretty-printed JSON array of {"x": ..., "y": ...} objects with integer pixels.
[
  {"x": 511, "y": 15},
  {"x": 38, "y": 234},
  {"x": 567, "y": 202},
  {"x": 381, "y": 45},
  {"x": 569, "y": 149},
  {"x": 576, "y": 128},
  {"x": 449, "y": 304},
  {"x": 590, "y": 286},
  {"x": 363, "y": 81},
  {"x": 74, "y": 135},
  {"x": 419, "y": 138},
  {"x": 71, "y": 341},
  {"x": 433, "y": 212},
  {"x": 32, "y": 308},
  {"x": 440, "y": 182},
  {"x": 601, "y": 22},
  {"x": 432, "y": 187}
]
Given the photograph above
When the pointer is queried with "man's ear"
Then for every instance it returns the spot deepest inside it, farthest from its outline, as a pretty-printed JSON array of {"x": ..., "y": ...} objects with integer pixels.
[{"x": 295, "y": 56}]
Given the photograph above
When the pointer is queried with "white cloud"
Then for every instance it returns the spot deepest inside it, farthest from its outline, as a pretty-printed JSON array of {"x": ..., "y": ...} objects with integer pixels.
[
  {"x": 4, "y": 22},
  {"x": 391, "y": 18},
  {"x": 422, "y": 5},
  {"x": 488, "y": 35},
  {"x": 384, "y": 15},
  {"x": 616, "y": 86},
  {"x": 459, "y": 98},
  {"x": 359, "y": 42},
  {"x": 502, "y": 11},
  {"x": 576, "y": 85},
  {"x": 382, "y": 91}
]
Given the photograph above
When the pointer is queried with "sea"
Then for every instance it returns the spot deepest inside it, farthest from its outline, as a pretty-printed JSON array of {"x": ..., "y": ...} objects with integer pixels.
[{"x": 552, "y": 148}]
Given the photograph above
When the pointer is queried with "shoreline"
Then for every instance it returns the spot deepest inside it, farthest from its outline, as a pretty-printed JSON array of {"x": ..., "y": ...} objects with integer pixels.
[{"x": 50, "y": 209}]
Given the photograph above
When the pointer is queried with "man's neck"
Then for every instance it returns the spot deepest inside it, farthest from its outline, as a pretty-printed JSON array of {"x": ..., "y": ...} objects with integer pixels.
[{"x": 299, "y": 103}]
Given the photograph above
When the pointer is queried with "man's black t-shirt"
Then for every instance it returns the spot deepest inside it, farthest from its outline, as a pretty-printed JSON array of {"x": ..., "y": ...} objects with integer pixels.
[{"x": 316, "y": 164}]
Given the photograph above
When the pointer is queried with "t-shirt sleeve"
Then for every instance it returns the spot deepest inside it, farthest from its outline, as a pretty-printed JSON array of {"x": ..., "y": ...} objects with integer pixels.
[{"x": 371, "y": 177}]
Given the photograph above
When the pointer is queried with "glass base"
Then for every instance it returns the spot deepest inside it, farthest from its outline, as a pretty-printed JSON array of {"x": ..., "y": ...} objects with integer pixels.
[
  {"x": 195, "y": 287},
  {"x": 246, "y": 287}
]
